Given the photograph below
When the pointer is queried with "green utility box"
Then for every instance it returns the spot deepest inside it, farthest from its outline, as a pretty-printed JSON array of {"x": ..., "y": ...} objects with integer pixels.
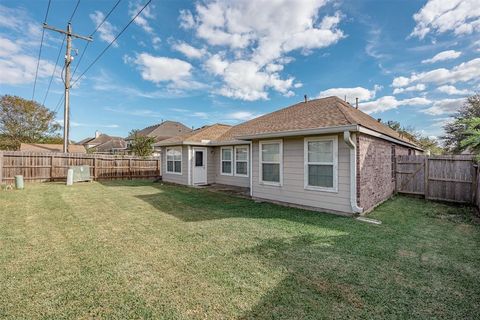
[{"x": 81, "y": 173}]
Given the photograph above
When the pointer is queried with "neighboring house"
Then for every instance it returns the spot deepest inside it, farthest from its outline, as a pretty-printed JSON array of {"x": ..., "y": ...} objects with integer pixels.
[
  {"x": 161, "y": 131},
  {"x": 321, "y": 154},
  {"x": 48, "y": 147},
  {"x": 103, "y": 143},
  {"x": 115, "y": 145}
]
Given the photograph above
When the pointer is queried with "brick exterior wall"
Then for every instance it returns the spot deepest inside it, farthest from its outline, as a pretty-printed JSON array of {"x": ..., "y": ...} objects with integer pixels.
[{"x": 374, "y": 170}]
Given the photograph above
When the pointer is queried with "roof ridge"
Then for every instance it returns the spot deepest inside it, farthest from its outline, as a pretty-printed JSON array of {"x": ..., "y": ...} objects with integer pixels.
[{"x": 345, "y": 114}]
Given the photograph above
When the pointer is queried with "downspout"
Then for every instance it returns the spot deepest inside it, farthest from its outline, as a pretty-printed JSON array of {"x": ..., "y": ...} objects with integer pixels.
[
  {"x": 353, "y": 172},
  {"x": 250, "y": 163},
  {"x": 189, "y": 159}
]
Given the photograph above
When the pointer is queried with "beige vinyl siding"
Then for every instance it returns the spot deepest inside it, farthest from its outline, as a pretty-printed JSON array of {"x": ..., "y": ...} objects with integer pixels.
[
  {"x": 293, "y": 187},
  {"x": 175, "y": 178},
  {"x": 228, "y": 180}
]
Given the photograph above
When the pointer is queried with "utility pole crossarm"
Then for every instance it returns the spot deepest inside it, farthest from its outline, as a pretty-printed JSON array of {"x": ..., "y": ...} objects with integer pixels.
[
  {"x": 89, "y": 38},
  {"x": 68, "y": 60}
]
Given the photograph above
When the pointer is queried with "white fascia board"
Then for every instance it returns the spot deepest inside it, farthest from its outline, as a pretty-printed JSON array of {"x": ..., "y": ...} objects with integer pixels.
[
  {"x": 388, "y": 138},
  {"x": 303, "y": 132}
]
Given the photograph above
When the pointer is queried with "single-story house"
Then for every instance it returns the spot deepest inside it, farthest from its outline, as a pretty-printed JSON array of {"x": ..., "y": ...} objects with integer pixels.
[
  {"x": 102, "y": 143},
  {"x": 50, "y": 147},
  {"x": 321, "y": 154},
  {"x": 161, "y": 131},
  {"x": 115, "y": 145}
]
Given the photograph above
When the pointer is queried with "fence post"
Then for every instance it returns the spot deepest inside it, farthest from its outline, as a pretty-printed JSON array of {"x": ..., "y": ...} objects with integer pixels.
[
  {"x": 51, "y": 168},
  {"x": 426, "y": 174},
  {"x": 1, "y": 167},
  {"x": 474, "y": 183},
  {"x": 95, "y": 171},
  {"x": 130, "y": 168}
]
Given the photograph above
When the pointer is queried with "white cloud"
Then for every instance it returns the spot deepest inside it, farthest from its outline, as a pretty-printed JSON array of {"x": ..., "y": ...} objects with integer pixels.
[
  {"x": 451, "y": 90},
  {"x": 244, "y": 80},
  {"x": 189, "y": 51},
  {"x": 107, "y": 30},
  {"x": 216, "y": 65},
  {"x": 163, "y": 69},
  {"x": 258, "y": 35},
  {"x": 390, "y": 102},
  {"x": 440, "y": 16},
  {"x": 242, "y": 115},
  {"x": 143, "y": 19},
  {"x": 8, "y": 47},
  {"x": 442, "y": 56},
  {"x": 18, "y": 68},
  {"x": 186, "y": 19},
  {"x": 418, "y": 87},
  {"x": 445, "y": 106},
  {"x": 362, "y": 94},
  {"x": 202, "y": 115},
  {"x": 463, "y": 72}
]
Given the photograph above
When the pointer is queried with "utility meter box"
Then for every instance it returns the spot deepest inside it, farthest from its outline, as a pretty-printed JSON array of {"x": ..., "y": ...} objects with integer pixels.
[{"x": 81, "y": 173}]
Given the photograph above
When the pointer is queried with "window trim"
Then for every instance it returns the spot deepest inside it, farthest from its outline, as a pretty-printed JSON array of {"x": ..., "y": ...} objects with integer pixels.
[
  {"x": 260, "y": 162},
  {"x": 235, "y": 160},
  {"x": 181, "y": 160},
  {"x": 231, "y": 161},
  {"x": 334, "y": 139}
]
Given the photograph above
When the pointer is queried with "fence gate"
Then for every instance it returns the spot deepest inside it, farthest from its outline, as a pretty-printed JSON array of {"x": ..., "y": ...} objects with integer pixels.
[{"x": 446, "y": 178}]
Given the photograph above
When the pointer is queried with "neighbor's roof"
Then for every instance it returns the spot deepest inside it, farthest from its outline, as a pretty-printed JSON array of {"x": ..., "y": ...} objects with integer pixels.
[
  {"x": 47, "y": 147},
  {"x": 205, "y": 133},
  {"x": 102, "y": 138},
  {"x": 164, "y": 130},
  {"x": 115, "y": 143},
  {"x": 313, "y": 114}
]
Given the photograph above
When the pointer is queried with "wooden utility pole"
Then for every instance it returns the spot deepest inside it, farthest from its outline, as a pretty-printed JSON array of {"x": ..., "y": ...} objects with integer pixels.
[{"x": 68, "y": 60}]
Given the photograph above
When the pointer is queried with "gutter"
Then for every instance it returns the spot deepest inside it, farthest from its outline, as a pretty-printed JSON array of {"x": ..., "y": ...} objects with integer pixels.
[
  {"x": 353, "y": 172},
  {"x": 303, "y": 132}
]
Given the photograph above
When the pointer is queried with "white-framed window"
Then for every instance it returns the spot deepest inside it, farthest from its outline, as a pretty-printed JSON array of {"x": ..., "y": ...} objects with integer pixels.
[
  {"x": 226, "y": 161},
  {"x": 321, "y": 163},
  {"x": 271, "y": 162},
  {"x": 241, "y": 161},
  {"x": 174, "y": 160}
]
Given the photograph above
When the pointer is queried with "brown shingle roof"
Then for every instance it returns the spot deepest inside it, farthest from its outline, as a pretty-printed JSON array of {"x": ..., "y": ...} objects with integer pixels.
[
  {"x": 211, "y": 132},
  {"x": 313, "y": 114},
  {"x": 115, "y": 143},
  {"x": 48, "y": 147},
  {"x": 163, "y": 130}
]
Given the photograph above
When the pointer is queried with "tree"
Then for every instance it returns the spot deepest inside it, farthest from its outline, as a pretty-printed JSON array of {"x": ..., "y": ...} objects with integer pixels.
[
  {"x": 471, "y": 135},
  {"x": 455, "y": 131},
  {"x": 25, "y": 121},
  {"x": 141, "y": 146},
  {"x": 424, "y": 142}
]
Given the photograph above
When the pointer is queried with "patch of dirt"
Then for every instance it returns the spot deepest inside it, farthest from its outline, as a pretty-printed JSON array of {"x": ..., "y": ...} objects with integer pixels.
[{"x": 406, "y": 253}]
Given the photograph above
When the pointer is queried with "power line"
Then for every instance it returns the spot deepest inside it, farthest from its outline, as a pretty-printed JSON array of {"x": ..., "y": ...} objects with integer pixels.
[
  {"x": 74, "y": 11},
  {"x": 40, "y": 51},
  {"x": 91, "y": 35},
  {"x": 54, "y": 69},
  {"x": 111, "y": 43}
]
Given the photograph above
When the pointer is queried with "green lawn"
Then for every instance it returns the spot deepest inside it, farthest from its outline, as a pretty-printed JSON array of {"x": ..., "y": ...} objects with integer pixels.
[{"x": 136, "y": 249}]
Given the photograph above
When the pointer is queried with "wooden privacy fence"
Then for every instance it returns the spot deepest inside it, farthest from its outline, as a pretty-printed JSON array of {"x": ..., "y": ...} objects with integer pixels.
[
  {"x": 445, "y": 178},
  {"x": 39, "y": 167}
]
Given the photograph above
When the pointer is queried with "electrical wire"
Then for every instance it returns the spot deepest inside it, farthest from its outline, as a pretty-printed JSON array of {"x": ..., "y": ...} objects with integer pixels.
[
  {"x": 54, "y": 69},
  {"x": 40, "y": 51},
  {"x": 74, "y": 11},
  {"x": 111, "y": 43}
]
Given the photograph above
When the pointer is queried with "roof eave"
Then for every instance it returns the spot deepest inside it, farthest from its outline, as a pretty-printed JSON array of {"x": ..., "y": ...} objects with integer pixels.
[
  {"x": 302, "y": 132},
  {"x": 377, "y": 134}
]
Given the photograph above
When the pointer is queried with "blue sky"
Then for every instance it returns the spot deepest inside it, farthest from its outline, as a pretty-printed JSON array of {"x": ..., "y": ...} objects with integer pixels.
[{"x": 228, "y": 61}]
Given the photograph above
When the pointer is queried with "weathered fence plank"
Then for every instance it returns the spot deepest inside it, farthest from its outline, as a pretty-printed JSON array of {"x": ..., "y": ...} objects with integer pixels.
[
  {"x": 447, "y": 178},
  {"x": 39, "y": 167}
]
